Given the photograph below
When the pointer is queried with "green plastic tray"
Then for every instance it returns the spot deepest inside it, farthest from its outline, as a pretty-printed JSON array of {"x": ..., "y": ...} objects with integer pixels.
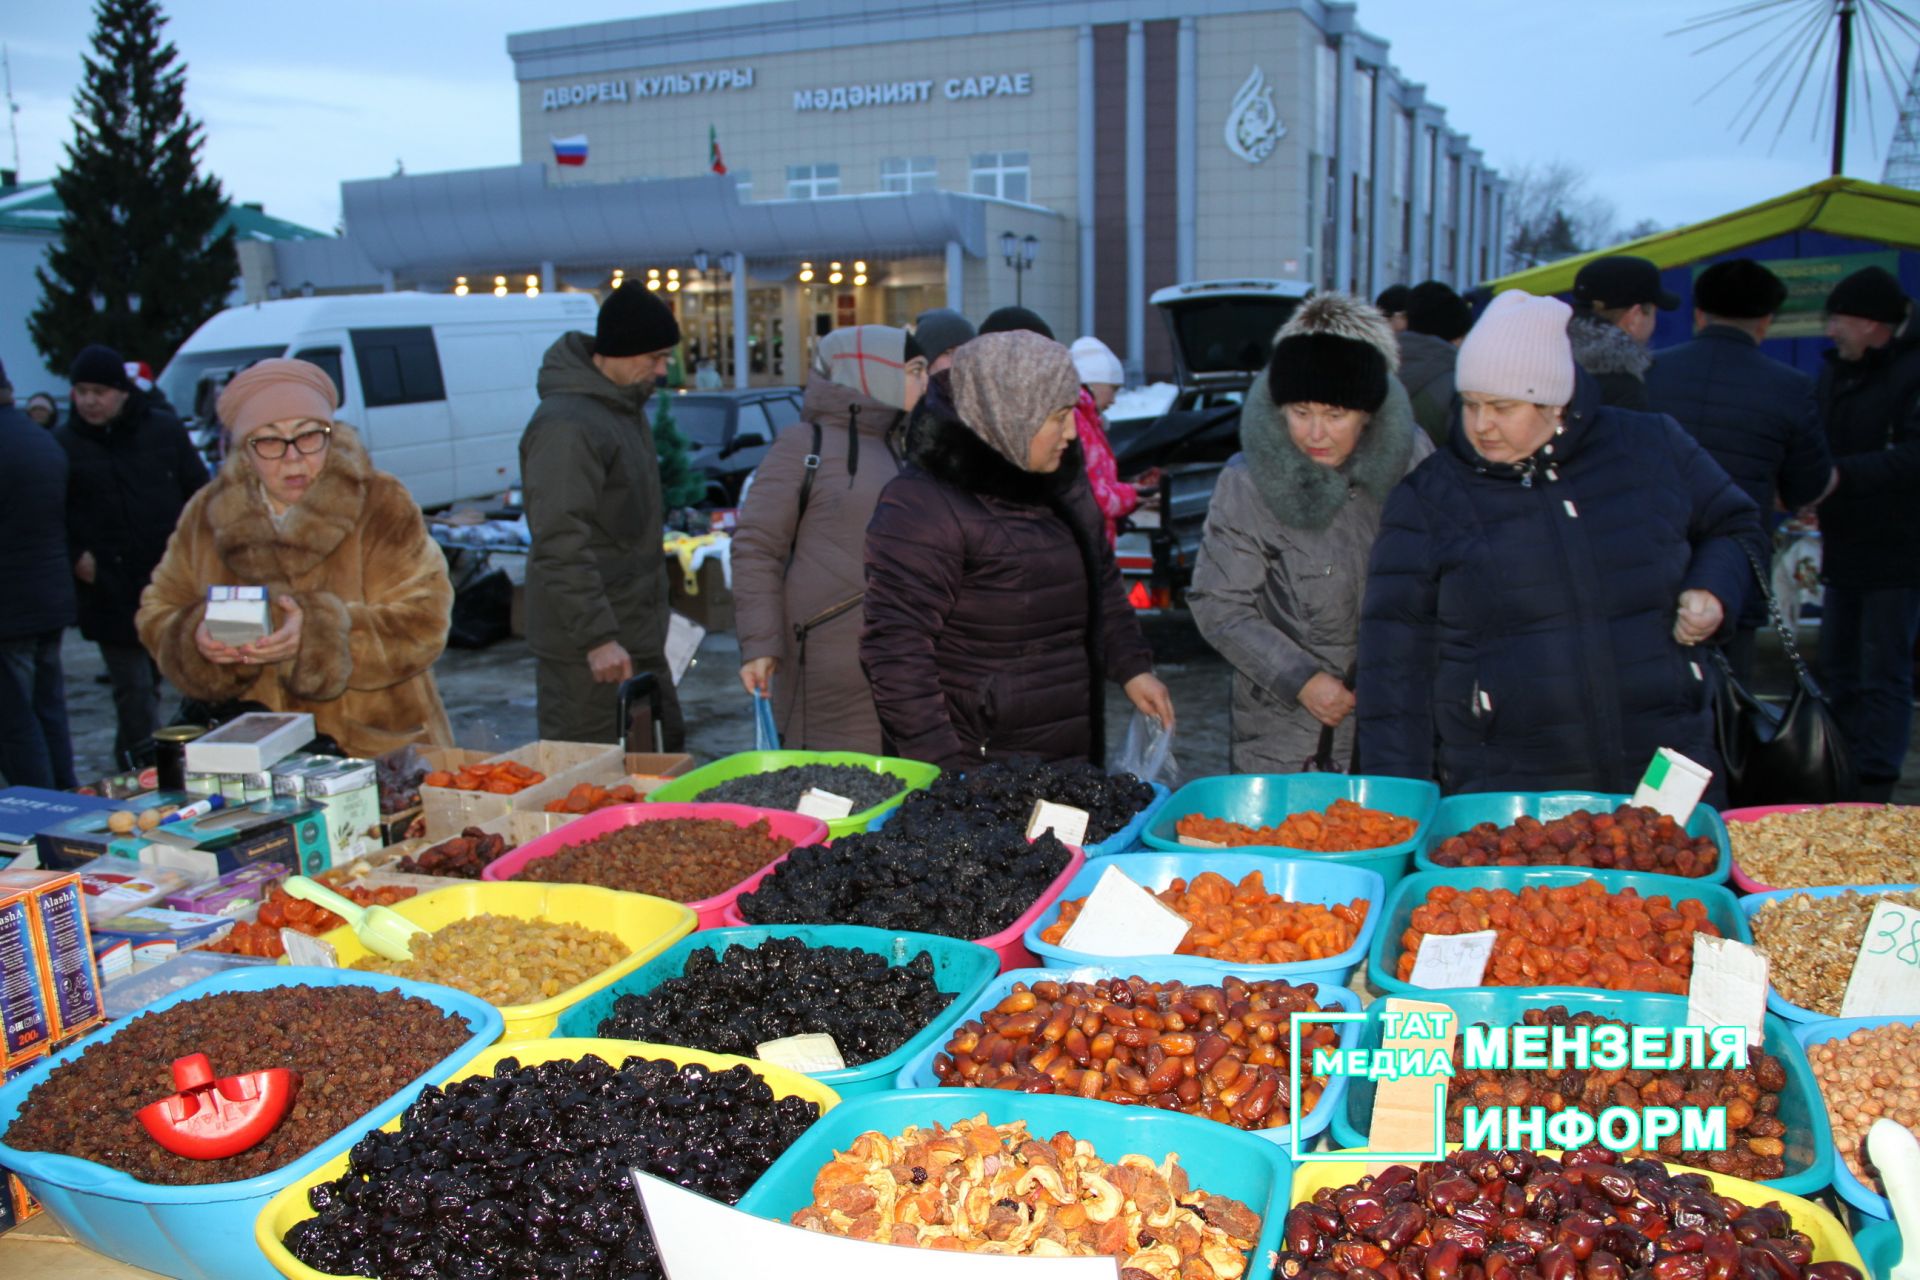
[{"x": 913, "y": 774}]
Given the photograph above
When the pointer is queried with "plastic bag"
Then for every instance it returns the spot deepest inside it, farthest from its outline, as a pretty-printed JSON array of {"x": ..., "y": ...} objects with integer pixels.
[
  {"x": 1148, "y": 753},
  {"x": 766, "y": 734}
]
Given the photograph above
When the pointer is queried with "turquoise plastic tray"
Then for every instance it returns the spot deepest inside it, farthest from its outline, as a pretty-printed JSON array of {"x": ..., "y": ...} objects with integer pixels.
[
  {"x": 1463, "y": 813},
  {"x": 1851, "y": 1189},
  {"x": 918, "y": 1072},
  {"x": 1124, "y": 840},
  {"x": 1722, "y": 907},
  {"x": 1809, "y": 1139},
  {"x": 913, "y": 775},
  {"x": 1296, "y": 880},
  {"x": 206, "y": 1232},
  {"x": 1750, "y": 907},
  {"x": 1879, "y": 1245},
  {"x": 1266, "y": 799},
  {"x": 1217, "y": 1159},
  {"x": 961, "y": 968}
]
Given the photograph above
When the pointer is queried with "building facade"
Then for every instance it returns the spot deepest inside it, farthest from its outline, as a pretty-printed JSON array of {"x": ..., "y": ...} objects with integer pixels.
[{"x": 883, "y": 158}]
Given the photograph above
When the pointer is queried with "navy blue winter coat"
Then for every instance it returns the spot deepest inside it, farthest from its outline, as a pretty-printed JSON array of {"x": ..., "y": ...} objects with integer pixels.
[
  {"x": 1517, "y": 630},
  {"x": 36, "y": 577},
  {"x": 1871, "y": 524}
]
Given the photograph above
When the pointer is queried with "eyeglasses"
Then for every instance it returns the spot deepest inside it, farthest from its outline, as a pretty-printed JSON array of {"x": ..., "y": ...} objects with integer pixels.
[{"x": 273, "y": 448}]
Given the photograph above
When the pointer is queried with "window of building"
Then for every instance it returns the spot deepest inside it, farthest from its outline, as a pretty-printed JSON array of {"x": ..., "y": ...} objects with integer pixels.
[
  {"x": 1365, "y": 81},
  {"x": 1402, "y": 256},
  {"x": 909, "y": 173},
  {"x": 1001, "y": 173},
  {"x": 812, "y": 181}
]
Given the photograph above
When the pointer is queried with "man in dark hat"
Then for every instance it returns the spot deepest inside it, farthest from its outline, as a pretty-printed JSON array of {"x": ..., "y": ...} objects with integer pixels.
[
  {"x": 1437, "y": 321},
  {"x": 1870, "y": 532},
  {"x": 940, "y": 332},
  {"x": 1014, "y": 319},
  {"x": 1755, "y": 415},
  {"x": 1392, "y": 303},
  {"x": 597, "y": 577},
  {"x": 1615, "y": 302},
  {"x": 130, "y": 469}
]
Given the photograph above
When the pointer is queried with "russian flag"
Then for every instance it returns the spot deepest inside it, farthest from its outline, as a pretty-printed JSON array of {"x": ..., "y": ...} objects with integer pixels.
[{"x": 570, "y": 150}]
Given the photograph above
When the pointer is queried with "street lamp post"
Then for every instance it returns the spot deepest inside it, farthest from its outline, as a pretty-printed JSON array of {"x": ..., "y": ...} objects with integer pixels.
[{"x": 1019, "y": 252}]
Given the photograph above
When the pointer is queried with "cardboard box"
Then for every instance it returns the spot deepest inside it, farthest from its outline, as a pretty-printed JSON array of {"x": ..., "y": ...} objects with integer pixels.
[
  {"x": 26, "y": 1023},
  {"x": 27, "y": 811},
  {"x": 238, "y": 615},
  {"x": 249, "y": 743},
  {"x": 450, "y": 811},
  {"x": 77, "y": 841},
  {"x": 46, "y": 952},
  {"x": 234, "y": 893},
  {"x": 290, "y": 832},
  {"x": 348, "y": 792}
]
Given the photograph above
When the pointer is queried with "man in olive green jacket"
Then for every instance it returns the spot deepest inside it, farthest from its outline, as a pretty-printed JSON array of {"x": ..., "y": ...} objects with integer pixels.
[{"x": 596, "y": 580}]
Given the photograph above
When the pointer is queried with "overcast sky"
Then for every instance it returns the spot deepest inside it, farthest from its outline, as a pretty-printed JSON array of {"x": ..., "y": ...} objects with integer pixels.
[{"x": 297, "y": 98}]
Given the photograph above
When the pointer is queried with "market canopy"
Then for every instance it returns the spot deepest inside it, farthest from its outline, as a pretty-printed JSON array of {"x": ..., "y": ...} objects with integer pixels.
[{"x": 1837, "y": 206}]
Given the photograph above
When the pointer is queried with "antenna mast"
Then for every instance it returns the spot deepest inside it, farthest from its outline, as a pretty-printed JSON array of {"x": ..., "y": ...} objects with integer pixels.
[
  {"x": 1903, "y": 157},
  {"x": 13, "y": 108}
]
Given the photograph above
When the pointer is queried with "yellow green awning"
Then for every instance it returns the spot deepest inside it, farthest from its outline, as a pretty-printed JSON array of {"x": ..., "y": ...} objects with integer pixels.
[{"x": 1838, "y": 206}]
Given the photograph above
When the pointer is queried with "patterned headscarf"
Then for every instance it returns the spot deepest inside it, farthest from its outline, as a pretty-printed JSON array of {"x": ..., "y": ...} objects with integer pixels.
[
  {"x": 868, "y": 358},
  {"x": 1006, "y": 384}
]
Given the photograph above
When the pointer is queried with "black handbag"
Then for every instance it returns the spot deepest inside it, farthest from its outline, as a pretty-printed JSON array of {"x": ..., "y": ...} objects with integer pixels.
[{"x": 1775, "y": 754}]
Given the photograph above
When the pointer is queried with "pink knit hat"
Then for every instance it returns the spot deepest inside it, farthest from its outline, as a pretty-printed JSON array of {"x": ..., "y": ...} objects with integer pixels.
[
  {"x": 1519, "y": 350},
  {"x": 274, "y": 391}
]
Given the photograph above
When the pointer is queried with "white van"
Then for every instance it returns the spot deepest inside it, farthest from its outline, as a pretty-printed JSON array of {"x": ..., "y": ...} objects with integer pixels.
[{"x": 440, "y": 387}]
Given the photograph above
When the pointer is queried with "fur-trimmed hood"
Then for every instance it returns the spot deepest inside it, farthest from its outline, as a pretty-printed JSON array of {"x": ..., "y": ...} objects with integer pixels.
[
  {"x": 1343, "y": 316},
  {"x": 1600, "y": 346},
  {"x": 259, "y": 550},
  {"x": 1300, "y": 492}
]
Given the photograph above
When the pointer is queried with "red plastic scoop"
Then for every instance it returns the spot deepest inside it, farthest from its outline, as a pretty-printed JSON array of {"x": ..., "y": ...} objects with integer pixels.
[{"x": 211, "y": 1119}]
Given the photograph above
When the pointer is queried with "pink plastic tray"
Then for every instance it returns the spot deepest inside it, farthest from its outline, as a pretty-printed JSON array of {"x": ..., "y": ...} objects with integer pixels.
[
  {"x": 711, "y": 911},
  {"x": 1746, "y": 883},
  {"x": 1007, "y": 943}
]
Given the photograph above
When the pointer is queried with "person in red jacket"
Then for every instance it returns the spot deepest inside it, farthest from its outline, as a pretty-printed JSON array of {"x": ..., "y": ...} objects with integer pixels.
[{"x": 1101, "y": 378}]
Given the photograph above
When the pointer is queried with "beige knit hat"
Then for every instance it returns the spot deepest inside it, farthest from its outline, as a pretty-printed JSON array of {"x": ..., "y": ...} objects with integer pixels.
[
  {"x": 274, "y": 391},
  {"x": 1519, "y": 350}
]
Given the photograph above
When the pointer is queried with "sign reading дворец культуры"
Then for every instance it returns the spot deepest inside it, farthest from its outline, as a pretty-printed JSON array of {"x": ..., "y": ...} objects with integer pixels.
[{"x": 1606, "y": 1047}]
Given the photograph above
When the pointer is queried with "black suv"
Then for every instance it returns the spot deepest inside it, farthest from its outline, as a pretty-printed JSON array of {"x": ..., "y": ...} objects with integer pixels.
[{"x": 728, "y": 433}]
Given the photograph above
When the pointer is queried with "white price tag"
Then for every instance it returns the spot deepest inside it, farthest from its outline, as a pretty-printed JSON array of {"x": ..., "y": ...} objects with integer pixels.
[
  {"x": 808, "y": 1053},
  {"x": 1121, "y": 918},
  {"x": 1068, "y": 824},
  {"x": 1195, "y": 842},
  {"x": 1728, "y": 987},
  {"x": 1452, "y": 959},
  {"x": 702, "y": 1239},
  {"x": 823, "y": 805},
  {"x": 1672, "y": 785},
  {"x": 1886, "y": 973},
  {"x": 308, "y": 952}
]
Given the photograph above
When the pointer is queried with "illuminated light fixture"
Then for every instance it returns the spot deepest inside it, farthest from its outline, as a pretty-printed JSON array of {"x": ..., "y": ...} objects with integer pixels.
[
  {"x": 835, "y": 277},
  {"x": 806, "y": 273},
  {"x": 834, "y": 266},
  {"x": 460, "y": 286},
  {"x": 653, "y": 273},
  {"x": 673, "y": 286},
  {"x": 673, "y": 273},
  {"x": 860, "y": 267},
  {"x": 499, "y": 286},
  {"x": 860, "y": 280},
  {"x": 533, "y": 282},
  {"x": 653, "y": 283},
  {"x": 700, "y": 260}
]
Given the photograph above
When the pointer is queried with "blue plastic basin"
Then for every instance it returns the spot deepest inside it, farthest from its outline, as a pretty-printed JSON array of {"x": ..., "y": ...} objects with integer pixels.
[
  {"x": 1809, "y": 1139},
  {"x": 1750, "y": 907},
  {"x": 1218, "y": 1159},
  {"x": 1465, "y": 812},
  {"x": 1295, "y": 880},
  {"x": 1267, "y": 799},
  {"x": 1722, "y": 907},
  {"x": 1124, "y": 840},
  {"x": 918, "y": 1072},
  {"x": 1879, "y": 1246},
  {"x": 960, "y": 968},
  {"x": 1851, "y": 1189},
  {"x": 206, "y": 1232}
]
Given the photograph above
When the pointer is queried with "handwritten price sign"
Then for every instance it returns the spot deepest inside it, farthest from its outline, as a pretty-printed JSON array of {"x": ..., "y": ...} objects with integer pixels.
[{"x": 1886, "y": 973}]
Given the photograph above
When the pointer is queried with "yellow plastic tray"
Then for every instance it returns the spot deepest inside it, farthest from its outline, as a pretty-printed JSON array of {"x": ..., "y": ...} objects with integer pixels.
[
  {"x": 290, "y": 1205},
  {"x": 1831, "y": 1241},
  {"x": 646, "y": 925}
]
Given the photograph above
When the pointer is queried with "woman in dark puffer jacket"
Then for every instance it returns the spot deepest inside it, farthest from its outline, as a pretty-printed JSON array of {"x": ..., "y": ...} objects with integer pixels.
[
  {"x": 1540, "y": 585},
  {"x": 994, "y": 610}
]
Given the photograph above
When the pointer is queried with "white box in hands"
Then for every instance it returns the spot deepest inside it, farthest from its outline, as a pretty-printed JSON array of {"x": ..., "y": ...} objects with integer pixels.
[
  {"x": 238, "y": 615},
  {"x": 252, "y": 743}
]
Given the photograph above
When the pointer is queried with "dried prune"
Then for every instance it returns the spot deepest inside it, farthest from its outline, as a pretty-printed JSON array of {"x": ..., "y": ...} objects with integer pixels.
[{"x": 1005, "y": 791}]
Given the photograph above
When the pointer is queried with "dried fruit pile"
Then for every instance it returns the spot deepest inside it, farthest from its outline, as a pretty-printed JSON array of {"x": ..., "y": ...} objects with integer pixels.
[
  {"x": 1811, "y": 943},
  {"x": 1005, "y": 792},
  {"x": 985, "y": 1188},
  {"x": 353, "y": 1046},
  {"x": 1516, "y": 1214},
  {"x": 868, "y": 1006},
  {"x": 1869, "y": 1073},
  {"x": 1574, "y": 935},
  {"x": 1343, "y": 827},
  {"x": 588, "y": 797},
  {"x": 525, "y": 1173},
  {"x": 505, "y": 778},
  {"x": 463, "y": 857},
  {"x": 1215, "y": 1051},
  {"x": 504, "y": 960},
  {"x": 281, "y": 910},
  {"x": 1834, "y": 844},
  {"x": 1631, "y": 838},
  {"x": 782, "y": 788},
  {"x": 681, "y": 859},
  {"x": 1245, "y": 923}
]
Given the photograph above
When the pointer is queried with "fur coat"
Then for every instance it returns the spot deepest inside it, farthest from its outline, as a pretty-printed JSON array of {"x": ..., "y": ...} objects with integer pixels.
[
  {"x": 1616, "y": 361},
  {"x": 372, "y": 586},
  {"x": 1283, "y": 565}
]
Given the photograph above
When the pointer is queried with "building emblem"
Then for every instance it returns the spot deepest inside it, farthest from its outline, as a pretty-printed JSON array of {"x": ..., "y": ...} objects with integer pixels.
[{"x": 1253, "y": 125}]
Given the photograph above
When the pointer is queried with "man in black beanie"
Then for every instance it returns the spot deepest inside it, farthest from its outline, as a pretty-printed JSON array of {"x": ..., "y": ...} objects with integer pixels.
[
  {"x": 597, "y": 577},
  {"x": 1437, "y": 320},
  {"x": 1755, "y": 415},
  {"x": 1012, "y": 319},
  {"x": 1870, "y": 534},
  {"x": 130, "y": 469}
]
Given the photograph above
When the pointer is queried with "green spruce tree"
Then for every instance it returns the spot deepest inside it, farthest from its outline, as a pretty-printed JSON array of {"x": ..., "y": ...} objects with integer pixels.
[
  {"x": 680, "y": 485},
  {"x": 139, "y": 265}
]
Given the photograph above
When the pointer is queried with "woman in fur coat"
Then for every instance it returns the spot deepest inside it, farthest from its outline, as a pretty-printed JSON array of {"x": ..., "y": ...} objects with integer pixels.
[
  {"x": 360, "y": 592},
  {"x": 1326, "y": 431}
]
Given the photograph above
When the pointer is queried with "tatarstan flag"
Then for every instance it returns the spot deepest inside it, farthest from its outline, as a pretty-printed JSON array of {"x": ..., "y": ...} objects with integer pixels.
[{"x": 713, "y": 151}]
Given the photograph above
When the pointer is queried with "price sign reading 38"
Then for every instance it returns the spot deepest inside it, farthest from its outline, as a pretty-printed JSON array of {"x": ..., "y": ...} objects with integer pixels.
[{"x": 1886, "y": 973}]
